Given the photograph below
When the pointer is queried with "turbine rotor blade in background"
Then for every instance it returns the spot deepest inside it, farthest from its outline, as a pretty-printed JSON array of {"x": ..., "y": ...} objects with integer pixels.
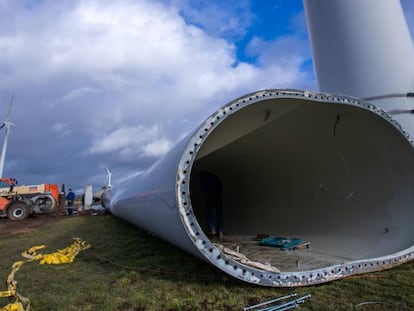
[{"x": 10, "y": 107}]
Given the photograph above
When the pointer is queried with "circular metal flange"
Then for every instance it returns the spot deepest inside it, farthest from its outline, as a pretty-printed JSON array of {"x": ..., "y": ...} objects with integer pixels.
[{"x": 245, "y": 272}]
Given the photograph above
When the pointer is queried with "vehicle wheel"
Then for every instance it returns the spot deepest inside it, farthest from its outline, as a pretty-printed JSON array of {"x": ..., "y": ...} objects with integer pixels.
[
  {"x": 18, "y": 211},
  {"x": 45, "y": 204},
  {"x": 48, "y": 204}
]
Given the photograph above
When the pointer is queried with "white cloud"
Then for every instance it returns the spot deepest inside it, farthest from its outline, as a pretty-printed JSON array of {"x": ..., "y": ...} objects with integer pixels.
[
  {"x": 74, "y": 94},
  {"x": 62, "y": 129},
  {"x": 157, "y": 148},
  {"x": 219, "y": 18},
  {"x": 281, "y": 59},
  {"x": 133, "y": 140},
  {"x": 123, "y": 79}
]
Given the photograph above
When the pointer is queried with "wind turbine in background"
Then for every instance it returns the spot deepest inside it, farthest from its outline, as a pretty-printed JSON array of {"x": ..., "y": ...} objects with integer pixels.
[
  {"x": 7, "y": 124},
  {"x": 97, "y": 196},
  {"x": 109, "y": 178}
]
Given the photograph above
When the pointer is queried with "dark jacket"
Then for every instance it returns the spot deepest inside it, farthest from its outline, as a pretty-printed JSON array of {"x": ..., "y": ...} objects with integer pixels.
[{"x": 71, "y": 198}]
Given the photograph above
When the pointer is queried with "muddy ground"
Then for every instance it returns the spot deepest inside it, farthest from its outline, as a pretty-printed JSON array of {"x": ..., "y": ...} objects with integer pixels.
[
  {"x": 27, "y": 225},
  {"x": 34, "y": 222}
]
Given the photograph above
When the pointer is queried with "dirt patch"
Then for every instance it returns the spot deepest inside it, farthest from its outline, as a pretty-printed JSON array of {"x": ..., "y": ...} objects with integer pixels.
[
  {"x": 30, "y": 224},
  {"x": 38, "y": 221}
]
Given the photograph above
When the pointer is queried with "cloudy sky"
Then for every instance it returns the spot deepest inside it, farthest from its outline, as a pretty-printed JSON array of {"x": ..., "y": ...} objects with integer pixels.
[{"x": 117, "y": 83}]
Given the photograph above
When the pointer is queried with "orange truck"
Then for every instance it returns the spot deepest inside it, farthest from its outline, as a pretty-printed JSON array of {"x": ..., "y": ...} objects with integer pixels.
[{"x": 18, "y": 202}]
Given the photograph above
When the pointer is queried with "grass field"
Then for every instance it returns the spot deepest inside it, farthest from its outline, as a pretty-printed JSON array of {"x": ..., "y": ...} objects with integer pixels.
[{"x": 128, "y": 269}]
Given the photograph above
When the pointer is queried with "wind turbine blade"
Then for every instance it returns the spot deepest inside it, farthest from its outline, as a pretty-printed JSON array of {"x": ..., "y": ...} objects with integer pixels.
[{"x": 9, "y": 110}]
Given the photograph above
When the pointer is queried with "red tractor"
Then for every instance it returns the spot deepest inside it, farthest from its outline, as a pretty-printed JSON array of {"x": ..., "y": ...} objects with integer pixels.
[{"x": 18, "y": 202}]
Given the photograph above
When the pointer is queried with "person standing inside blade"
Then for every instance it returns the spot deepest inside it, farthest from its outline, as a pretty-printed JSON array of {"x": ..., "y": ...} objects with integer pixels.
[
  {"x": 211, "y": 186},
  {"x": 71, "y": 200}
]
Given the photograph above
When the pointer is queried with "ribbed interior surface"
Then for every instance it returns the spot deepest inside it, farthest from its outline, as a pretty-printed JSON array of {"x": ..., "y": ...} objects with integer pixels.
[{"x": 335, "y": 175}]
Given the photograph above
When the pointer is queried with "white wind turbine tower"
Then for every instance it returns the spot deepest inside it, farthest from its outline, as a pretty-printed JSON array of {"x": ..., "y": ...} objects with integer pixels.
[
  {"x": 109, "y": 178},
  {"x": 7, "y": 124}
]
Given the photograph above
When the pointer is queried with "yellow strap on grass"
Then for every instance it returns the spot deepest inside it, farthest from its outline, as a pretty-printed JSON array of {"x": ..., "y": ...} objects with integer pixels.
[
  {"x": 6, "y": 294},
  {"x": 13, "y": 307},
  {"x": 66, "y": 255}
]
